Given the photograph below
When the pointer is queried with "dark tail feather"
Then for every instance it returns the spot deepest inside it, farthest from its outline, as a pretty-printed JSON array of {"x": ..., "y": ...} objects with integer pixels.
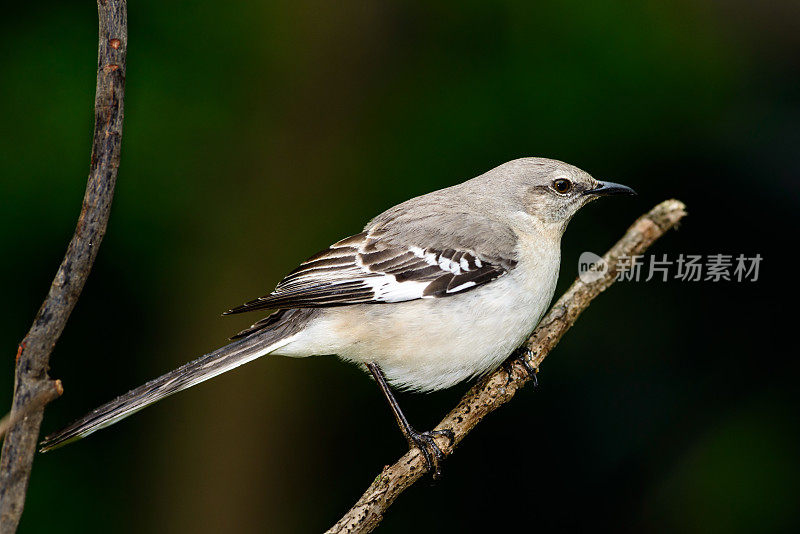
[{"x": 215, "y": 363}]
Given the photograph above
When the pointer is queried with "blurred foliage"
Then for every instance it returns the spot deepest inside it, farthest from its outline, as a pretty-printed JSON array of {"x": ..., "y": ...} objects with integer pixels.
[{"x": 258, "y": 133}]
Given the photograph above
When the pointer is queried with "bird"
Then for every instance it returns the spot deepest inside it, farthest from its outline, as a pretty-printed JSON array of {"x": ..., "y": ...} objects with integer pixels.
[{"x": 435, "y": 291}]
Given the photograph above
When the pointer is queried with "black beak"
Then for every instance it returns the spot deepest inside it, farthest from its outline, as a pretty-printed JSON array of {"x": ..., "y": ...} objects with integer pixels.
[{"x": 610, "y": 188}]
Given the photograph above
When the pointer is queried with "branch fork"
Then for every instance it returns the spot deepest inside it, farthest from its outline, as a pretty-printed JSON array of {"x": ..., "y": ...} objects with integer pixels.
[{"x": 32, "y": 386}]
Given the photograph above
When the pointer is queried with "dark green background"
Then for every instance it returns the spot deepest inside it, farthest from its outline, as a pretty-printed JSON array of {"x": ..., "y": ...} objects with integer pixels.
[{"x": 257, "y": 133}]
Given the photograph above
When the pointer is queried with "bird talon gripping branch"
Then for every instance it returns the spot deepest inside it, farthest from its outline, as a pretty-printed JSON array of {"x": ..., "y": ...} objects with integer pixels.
[
  {"x": 523, "y": 356},
  {"x": 426, "y": 443}
]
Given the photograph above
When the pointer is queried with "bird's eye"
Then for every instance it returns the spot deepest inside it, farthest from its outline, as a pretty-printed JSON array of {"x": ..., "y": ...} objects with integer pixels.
[{"x": 562, "y": 185}]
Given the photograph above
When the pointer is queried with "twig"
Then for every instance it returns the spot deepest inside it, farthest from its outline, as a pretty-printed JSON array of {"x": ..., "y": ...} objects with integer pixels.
[
  {"x": 496, "y": 390},
  {"x": 38, "y": 401},
  {"x": 31, "y": 379}
]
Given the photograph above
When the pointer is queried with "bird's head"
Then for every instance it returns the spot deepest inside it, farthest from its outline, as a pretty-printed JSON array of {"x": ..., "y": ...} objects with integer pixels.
[{"x": 546, "y": 190}]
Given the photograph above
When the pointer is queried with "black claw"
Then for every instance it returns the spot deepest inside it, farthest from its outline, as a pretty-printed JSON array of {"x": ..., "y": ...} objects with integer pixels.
[
  {"x": 446, "y": 432},
  {"x": 508, "y": 367},
  {"x": 535, "y": 379},
  {"x": 426, "y": 443},
  {"x": 521, "y": 355}
]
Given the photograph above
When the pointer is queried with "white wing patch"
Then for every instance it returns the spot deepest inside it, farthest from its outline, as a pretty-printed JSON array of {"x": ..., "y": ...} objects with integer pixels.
[
  {"x": 388, "y": 289},
  {"x": 385, "y": 286}
]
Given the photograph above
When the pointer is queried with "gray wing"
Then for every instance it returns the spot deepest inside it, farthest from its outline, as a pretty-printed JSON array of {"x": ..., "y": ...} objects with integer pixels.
[{"x": 367, "y": 268}]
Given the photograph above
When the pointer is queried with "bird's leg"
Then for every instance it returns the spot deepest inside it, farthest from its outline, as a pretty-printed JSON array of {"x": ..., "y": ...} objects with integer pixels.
[
  {"x": 522, "y": 355},
  {"x": 424, "y": 441}
]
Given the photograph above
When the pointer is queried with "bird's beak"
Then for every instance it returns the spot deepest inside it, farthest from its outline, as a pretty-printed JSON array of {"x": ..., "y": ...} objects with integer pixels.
[{"x": 610, "y": 188}]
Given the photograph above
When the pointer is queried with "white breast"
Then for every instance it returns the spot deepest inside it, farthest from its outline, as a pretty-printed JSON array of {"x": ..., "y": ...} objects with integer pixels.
[{"x": 431, "y": 344}]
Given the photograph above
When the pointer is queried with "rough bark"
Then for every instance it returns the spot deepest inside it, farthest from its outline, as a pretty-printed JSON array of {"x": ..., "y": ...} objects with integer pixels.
[
  {"x": 32, "y": 384},
  {"x": 38, "y": 401},
  {"x": 496, "y": 390}
]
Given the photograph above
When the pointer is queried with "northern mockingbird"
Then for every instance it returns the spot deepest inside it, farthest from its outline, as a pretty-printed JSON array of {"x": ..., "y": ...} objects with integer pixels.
[{"x": 434, "y": 291}]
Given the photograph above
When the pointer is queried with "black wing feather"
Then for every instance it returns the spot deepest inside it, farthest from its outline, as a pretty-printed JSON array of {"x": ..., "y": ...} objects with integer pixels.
[{"x": 365, "y": 269}]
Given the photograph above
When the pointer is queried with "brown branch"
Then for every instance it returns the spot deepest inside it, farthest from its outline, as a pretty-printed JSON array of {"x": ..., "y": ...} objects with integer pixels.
[
  {"x": 31, "y": 379},
  {"x": 496, "y": 390}
]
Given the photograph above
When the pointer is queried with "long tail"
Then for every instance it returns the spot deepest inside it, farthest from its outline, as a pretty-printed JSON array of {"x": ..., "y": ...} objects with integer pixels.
[{"x": 215, "y": 363}]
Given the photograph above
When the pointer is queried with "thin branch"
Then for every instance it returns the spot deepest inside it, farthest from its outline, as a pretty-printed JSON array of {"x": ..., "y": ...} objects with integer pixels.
[
  {"x": 31, "y": 379},
  {"x": 38, "y": 401},
  {"x": 496, "y": 390}
]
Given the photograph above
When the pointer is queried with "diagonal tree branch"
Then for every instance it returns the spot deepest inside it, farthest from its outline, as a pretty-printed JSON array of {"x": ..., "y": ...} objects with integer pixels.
[
  {"x": 498, "y": 388},
  {"x": 32, "y": 386}
]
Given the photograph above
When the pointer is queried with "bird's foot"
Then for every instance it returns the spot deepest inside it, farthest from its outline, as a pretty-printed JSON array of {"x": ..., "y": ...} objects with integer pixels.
[
  {"x": 521, "y": 355},
  {"x": 426, "y": 443}
]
